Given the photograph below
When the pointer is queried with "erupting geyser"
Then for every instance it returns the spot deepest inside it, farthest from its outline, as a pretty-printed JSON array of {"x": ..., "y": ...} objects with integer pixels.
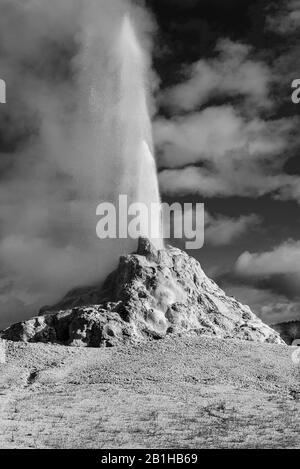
[
  {"x": 89, "y": 142},
  {"x": 93, "y": 147},
  {"x": 120, "y": 130},
  {"x": 138, "y": 174}
]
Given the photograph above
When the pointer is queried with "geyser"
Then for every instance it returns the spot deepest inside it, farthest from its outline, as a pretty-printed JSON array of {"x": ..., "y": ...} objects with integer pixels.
[
  {"x": 139, "y": 174},
  {"x": 120, "y": 129},
  {"x": 137, "y": 169},
  {"x": 81, "y": 99}
]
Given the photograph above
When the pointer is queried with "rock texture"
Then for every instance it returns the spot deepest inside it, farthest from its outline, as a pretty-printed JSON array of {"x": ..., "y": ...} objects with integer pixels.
[{"x": 151, "y": 294}]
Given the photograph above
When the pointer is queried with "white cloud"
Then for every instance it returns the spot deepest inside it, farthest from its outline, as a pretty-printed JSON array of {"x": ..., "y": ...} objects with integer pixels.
[
  {"x": 220, "y": 135},
  {"x": 231, "y": 178},
  {"x": 277, "y": 270},
  {"x": 222, "y": 150},
  {"x": 268, "y": 281},
  {"x": 221, "y": 230},
  {"x": 282, "y": 259},
  {"x": 231, "y": 150},
  {"x": 232, "y": 73}
]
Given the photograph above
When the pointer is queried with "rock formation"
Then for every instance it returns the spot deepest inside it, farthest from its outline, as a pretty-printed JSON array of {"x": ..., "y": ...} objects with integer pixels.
[{"x": 151, "y": 294}]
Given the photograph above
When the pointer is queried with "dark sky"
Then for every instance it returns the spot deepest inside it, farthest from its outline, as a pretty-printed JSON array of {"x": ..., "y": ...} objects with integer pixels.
[
  {"x": 189, "y": 30},
  {"x": 188, "y": 34}
]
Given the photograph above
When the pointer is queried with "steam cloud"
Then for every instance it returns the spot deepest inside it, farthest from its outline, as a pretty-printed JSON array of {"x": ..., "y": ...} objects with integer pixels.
[{"x": 55, "y": 167}]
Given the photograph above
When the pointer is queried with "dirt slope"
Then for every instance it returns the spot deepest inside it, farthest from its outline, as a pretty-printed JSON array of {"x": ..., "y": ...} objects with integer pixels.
[{"x": 180, "y": 392}]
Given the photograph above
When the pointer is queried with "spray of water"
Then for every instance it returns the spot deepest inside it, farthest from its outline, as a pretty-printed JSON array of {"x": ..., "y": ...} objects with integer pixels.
[
  {"x": 120, "y": 129},
  {"x": 139, "y": 180}
]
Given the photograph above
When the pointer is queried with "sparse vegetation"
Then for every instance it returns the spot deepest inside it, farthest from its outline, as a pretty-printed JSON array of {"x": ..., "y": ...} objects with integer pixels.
[{"x": 183, "y": 392}]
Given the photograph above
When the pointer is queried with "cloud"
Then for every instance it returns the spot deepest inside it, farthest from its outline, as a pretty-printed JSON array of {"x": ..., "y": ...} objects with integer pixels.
[
  {"x": 212, "y": 149},
  {"x": 277, "y": 270},
  {"x": 223, "y": 134},
  {"x": 280, "y": 311},
  {"x": 287, "y": 20},
  {"x": 218, "y": 183},
  {"x": 214, "y": 230},
  {"x": 270, "y": 307},
  {"x": 283, "y": 259},
  {"x": 268, "y": 281},
  {"x": 220, "y": 134},
  {"x": 232, "y": 73},
  {"x": 221, "y": 230}
]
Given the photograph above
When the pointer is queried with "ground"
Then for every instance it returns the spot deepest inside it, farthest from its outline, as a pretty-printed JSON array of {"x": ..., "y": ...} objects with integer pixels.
[{"x": 180, "y": 392}]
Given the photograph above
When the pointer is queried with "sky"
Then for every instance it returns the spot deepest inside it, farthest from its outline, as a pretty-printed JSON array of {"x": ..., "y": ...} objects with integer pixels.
[{"x": 226, "y": 134}]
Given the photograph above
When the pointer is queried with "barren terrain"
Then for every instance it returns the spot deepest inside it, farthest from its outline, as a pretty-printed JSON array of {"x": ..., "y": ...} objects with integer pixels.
[{"x": 180, "y": 392}]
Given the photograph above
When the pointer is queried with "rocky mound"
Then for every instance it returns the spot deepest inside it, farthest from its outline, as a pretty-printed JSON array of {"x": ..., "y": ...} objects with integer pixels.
[{"x": 151, "y": 294}]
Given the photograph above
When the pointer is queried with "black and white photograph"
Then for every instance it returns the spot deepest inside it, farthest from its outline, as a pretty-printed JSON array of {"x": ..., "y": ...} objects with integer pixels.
[{"x": 149, "y": 227}]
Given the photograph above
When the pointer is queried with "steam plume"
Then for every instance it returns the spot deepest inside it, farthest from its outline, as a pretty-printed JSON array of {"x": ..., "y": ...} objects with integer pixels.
[{"x": 75, "y": 131}]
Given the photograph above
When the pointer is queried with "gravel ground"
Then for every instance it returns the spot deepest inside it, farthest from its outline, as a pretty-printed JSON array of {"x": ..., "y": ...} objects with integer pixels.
[{"x": 180, "y": 392}]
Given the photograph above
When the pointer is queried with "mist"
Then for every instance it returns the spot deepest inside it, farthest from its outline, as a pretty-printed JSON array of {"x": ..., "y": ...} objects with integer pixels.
[{"x": 60, "y": 156}]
